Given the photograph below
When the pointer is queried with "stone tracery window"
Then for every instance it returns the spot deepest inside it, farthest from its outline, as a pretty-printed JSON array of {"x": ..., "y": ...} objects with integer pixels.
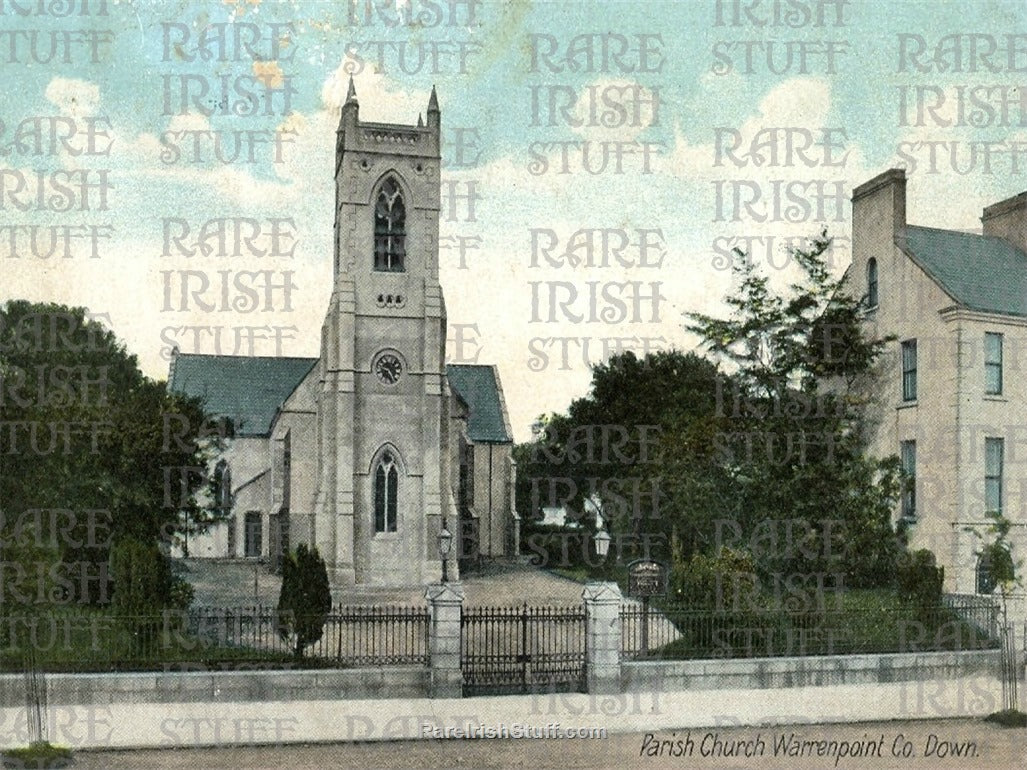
[
  {"x": 386, "y": 488},
  {"x": 389, "y": 228},
  {"x": 222, "y": 489}
]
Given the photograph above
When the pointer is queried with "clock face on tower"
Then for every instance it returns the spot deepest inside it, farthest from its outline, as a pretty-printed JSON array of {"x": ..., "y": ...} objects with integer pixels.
[{"x": 388, "y": 368}]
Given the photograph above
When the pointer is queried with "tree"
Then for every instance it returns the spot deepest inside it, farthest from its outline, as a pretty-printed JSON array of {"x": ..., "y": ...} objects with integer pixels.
[
  {"x": 104, "y": 452},
  {"x": 305, "y": 599},
  {"x": 797, "y": 449},
  {"x": 144, "y": 587},
  {"x": 639, "y": 447},
  {"x": 996, "y": 555},
  {"x": 30, "y": 566}
]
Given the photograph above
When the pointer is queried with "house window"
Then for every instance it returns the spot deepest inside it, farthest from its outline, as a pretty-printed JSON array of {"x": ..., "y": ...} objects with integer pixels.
[
  {"x": 993, "y": 364},
  {"x": 872, "y": 283},
  {"x": 386, "y": 487},
  {"x": 907, "y": 450},
  {"x": 993, "y": 450},
  {"x": 389, "y": 228},
  {"x": 909, "y": 370},
  {"x": 985, "y": 581}
]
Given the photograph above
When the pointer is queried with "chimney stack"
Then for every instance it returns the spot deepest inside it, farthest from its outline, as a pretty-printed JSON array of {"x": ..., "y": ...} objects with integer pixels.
[
  {"x": 882, "y": 199},
  {"x": 1008, "y": 220}
]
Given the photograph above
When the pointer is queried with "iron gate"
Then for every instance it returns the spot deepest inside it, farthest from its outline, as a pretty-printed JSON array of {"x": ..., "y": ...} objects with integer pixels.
[{"x": 522, "y": 649}]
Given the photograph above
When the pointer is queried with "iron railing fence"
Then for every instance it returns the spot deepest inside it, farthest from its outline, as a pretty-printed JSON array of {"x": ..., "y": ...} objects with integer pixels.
[
  {"x": 213, "y": 638},
  {"x": 672, "y": 632},
  {"x": 978, "y": 610},
  {"x": 521, "y": 649}
]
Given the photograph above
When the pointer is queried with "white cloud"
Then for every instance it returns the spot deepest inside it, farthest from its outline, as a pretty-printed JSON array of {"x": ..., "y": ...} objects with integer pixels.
[
  {"x": 608, "y": 109},
  {"x": 189, "y": 122},
  {"x": 802, "y": 104},
  {"x": 73, "y": 97}
]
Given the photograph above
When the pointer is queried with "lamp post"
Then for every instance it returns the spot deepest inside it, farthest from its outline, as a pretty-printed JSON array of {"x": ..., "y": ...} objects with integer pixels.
[
  {"x": 602, "y": 542},
  {"x": 445, "y": 543}
]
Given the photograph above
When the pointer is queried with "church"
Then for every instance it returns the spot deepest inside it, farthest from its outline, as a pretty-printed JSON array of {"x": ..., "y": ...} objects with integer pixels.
[{"x": 370, "y": 450}]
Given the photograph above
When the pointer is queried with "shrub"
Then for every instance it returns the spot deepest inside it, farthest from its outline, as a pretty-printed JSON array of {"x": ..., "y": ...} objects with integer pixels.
[
  {"x": 1008, "y": 718},
  {"x": 728, "y": 614},
  {"x": 144, "y": 587},
  {"x": 919, "y": 580},
  {"x": 705, "y": 581},
  {"x": 305, "y": 599}
]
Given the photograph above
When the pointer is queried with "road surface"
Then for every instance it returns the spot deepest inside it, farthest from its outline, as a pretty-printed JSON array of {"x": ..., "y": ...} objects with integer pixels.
[{"x": 965, "y": 744}]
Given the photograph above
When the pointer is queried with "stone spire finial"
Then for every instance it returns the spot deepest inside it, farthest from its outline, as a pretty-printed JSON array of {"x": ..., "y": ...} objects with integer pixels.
[
  {"x": 351, "y": 93},
  {"x": 433, "y": 102}
]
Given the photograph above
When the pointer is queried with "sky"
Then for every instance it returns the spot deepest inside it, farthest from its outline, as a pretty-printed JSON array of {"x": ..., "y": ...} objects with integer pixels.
[{"x": 600, "y": 159}]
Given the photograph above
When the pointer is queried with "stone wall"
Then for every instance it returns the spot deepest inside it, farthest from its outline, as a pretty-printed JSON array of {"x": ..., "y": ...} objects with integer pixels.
[
  {"x": 223, "y": 686},
  {"x": 819, "y": 671}
]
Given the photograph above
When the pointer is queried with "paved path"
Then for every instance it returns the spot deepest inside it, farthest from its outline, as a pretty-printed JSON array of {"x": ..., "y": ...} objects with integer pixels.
[
  {"x": 988, "y": 746},
  {"x": 230, "y": 583}
]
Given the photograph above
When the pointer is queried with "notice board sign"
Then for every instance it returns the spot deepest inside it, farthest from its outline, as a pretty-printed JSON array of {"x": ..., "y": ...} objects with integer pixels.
[{"x": 646, "y": 578}]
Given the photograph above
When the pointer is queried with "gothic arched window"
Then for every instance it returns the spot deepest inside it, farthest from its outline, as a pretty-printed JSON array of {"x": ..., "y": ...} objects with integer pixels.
[
  {"x": 872, "y": 283},
  {"x": 386, "y": 487},
  {"x": 222, "y": 489},
  {"x": 389, "y": 228}
]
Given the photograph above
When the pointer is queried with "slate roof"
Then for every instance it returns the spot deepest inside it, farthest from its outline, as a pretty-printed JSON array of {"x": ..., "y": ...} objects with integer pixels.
[
  {"x": 980, "y": 272},
  {"x": 478, "y": 387},
  {"x": 248, "y": 390},
  {"x": 251, "y": 389}
]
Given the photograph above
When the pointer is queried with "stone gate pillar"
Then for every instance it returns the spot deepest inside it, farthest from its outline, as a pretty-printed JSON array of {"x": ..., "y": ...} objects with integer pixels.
[
  {"x": 445, "y": 603},
  {"x": 602, "y": 637}
]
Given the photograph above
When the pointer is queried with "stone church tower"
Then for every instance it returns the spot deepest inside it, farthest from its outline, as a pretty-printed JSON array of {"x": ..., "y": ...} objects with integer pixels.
[
  {"x": 381, "y": 410},
  {"x": 368, "y": 449}
]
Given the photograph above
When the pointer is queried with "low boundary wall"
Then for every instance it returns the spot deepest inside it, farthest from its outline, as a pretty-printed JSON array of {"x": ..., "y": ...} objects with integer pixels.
[
  {"x": 276, "y": 722},
  {"x": 223, "y": 686},
  {"x": 820, "y": 671},
  {"x": 407, "y": 682}
]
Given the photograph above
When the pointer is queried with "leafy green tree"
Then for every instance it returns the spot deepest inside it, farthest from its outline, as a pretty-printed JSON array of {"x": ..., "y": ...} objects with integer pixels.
[
  {"x": 919, "y": 581},
  {"x": 305, "y": 599},
  {"x": 996, "y": 553},
  {"x": 639, "y": 447},
  {"x": 144, "y": 587},
  {"x": 742, "y": 452},
  {"x": 31, "y": 585},
  {"x": 805, "y": 373},
  {"x": 83, "y": 431}
]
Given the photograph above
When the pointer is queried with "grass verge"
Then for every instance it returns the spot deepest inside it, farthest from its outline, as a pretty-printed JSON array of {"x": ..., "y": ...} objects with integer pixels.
[
  {"x": 37, "y": 755},
  {"x": 1008, "y": 718}
]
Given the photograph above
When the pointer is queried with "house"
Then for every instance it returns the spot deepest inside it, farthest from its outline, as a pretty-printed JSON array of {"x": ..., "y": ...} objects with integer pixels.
[
  {"x": 953, "y": 403},
  {"x": 369, "y": 450}
]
